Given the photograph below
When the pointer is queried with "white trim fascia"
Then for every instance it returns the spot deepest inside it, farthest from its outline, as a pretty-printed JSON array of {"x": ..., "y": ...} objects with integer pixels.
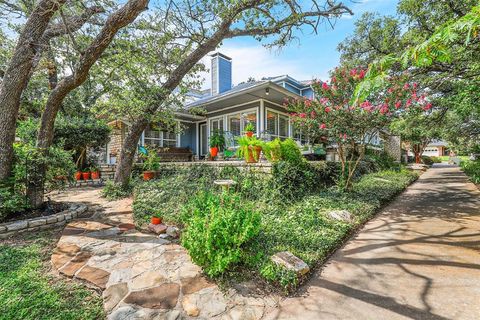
[
  {"x": 231, "y": 107},
  {"x": 261, "y": 118},
  {"x": 197, "y": 138}
]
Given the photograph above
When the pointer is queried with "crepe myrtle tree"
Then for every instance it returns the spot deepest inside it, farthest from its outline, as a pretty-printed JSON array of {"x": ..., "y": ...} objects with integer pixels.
[
  {"x": 350, "y": 126},
  {"x": 201, "y": 26}
]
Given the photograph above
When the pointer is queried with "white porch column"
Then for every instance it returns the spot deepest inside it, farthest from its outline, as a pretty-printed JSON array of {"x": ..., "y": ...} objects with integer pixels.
[
  {"x": 261, "y": 118},
  {"x": 197, "y": 138}
]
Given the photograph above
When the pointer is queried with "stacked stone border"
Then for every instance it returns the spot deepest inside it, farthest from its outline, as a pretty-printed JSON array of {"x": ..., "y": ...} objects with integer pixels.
[{"x": 12, "y": 228}]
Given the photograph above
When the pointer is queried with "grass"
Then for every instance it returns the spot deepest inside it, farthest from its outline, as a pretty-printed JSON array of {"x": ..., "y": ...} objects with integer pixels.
[
  {"x": 447, "y": 158},
  {"x": 28, "y": 291}
]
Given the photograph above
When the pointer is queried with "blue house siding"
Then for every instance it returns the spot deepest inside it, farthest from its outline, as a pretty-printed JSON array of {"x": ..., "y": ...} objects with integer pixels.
[
  {"x": 188, "y": 138},
  {"x": 307, "y": 93},
  {"x": 224, "y": 75},
  {"x": 291, "y": 88}
]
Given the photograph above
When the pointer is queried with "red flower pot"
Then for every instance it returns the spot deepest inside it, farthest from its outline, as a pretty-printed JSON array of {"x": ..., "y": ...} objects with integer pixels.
[
  {"x": 78, "y": 175},
  {"x": 214, "y": 151},
  {"x": 249, "y": 134},
  {"x": 148, "y": 175},
  {"x": 95, "y": 175},
  {"x": 156, "y": 220},
  {"x": 86, "y": 175}
]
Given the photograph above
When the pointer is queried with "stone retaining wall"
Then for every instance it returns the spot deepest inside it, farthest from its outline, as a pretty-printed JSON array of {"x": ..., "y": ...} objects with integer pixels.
[{"x": 9, "y": 229}]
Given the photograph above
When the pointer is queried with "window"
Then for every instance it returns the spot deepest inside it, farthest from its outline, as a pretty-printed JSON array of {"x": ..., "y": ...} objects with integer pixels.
[
  {"x": 277, "y": 124},
  {"x": 157, "y": 138},
  {"x": 216, "y": 124},
  {"x": 238, "y": 122}
]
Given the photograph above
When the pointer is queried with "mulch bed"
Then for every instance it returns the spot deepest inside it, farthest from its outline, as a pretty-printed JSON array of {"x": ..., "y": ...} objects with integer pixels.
[{"x": 47, "y": 209}]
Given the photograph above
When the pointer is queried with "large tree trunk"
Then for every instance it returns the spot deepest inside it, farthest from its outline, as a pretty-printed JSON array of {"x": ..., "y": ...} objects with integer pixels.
[
  {"x": 127, "y": 155},
  {"x": 17, "y": 75},
  {"x": 117, "y": 20}
]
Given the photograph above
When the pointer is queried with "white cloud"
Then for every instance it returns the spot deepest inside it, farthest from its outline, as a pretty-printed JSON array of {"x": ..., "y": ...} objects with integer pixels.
[{"x": 257, "y": 62}]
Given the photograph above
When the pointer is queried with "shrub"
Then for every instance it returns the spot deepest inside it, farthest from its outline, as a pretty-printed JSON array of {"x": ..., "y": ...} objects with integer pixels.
[
  {"x": 472, "y": 169},
  {"x": 290, "y": 151},
  {"x": 11, "y": 202},
  {"x": 427, "y": 160},
  {"x": 272, "y": 150},
  {"x": 115, "y": 191},
  {"x": 217, "y": 229},
  {"x": 436, "y": 159}
]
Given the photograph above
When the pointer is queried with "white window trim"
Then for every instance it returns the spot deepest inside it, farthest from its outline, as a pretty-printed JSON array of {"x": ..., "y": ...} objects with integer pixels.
[
  {"x": 162, "y": 139},
  {"x": 289, "y": 127},
  {"x": 226, "y": 125}
]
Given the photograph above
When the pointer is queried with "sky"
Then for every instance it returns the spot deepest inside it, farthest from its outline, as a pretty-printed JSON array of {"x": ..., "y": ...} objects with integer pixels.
[{"x": 309, "y": 58}]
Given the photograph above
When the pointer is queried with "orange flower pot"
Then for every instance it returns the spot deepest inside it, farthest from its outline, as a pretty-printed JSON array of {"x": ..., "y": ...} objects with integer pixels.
[
  {"x": 95, "y": 175},
  {"x": 214, "y": 151},
  {"x": 86, "y": 175},
  {"x": 78, "y": 175},
  {"x": 148, "y": 175},
  {"x": 156, "y": 220},
  {"x": 249, "y": 134},
  {"x": 253, "y": 154}
]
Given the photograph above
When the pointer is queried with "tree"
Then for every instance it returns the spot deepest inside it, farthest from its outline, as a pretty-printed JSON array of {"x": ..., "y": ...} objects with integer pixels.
[
  {"x": 34, "y": 37},
  {"x": 200, "y": 28},
  {"x": 332, "y": 118}
]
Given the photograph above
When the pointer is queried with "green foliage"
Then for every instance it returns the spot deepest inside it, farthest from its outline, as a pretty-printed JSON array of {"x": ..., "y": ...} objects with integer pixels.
[
  {"x": 217, "y": 139},
  {"x": 381, "y": 160},
  {"x": 115, "y": 191},
  {"x": 272, "y": 150},
  {"x": 249, "y": 127},
  {"x": 247, "y": 147},
  {"x": 472, "y": 170},
  {"x": 30, "y": 292},
  {"x": 11, "y": 201},
  {"x": 217, "y": 229},
  {"x": 151, "y": 161},
  {"x": 290, "y": 151}
]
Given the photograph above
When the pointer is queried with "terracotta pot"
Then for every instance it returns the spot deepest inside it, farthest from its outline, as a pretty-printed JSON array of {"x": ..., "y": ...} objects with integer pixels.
[
  {"x": 214, "y": 151},
  {"x": 253, "y": 154},
  {"x": 249, "y": 134},
  {"x": 78, "y": 175},
  {"x": 95, "y": 175},
  {"x": 148, "y": 175},
  {"x": 156, "y": 220},
  {"x": 86, "y": 175}
]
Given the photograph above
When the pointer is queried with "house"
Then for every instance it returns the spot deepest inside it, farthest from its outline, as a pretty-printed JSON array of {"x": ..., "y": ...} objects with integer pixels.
[
  {"x": 228, "y": 108},
  {"x": 436, "y": 148}
]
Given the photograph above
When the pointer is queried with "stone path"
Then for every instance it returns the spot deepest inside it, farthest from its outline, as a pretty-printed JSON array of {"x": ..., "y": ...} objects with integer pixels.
[
  {"x": 419, "y": 259},
  {"x": 141, "y": 276}
]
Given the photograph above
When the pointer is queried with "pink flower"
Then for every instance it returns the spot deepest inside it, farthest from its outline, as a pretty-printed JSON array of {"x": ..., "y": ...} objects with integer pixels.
[
  {"x": 406, "y": 86},
  {"x": 313, "y": 114},
  {"x": 334, "y": 79},
  {"x": 302, "y": 115},
  {"x": 353, "y": 72},
  {"x": 398, "y": 104},
  {"x": 328, "y": 109},
  {"x": 362, "y": 74},
  {"x": 308, "y": 102},
  {"x": 325, "y": 86},
  {"x": 324, "y": 100},
  {"x": 409, "y": 103},
  {"x": 427, "y": 107},
  {"x": 323, "y": 126},
  {"x": 415, "y": 85}
]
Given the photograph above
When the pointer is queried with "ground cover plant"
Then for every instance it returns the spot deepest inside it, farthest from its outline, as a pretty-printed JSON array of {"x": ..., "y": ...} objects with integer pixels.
[
  {"x": 292, "y": 202},
  {"x": 472, "y": 170},
  {"x": 28, "y": 291}
]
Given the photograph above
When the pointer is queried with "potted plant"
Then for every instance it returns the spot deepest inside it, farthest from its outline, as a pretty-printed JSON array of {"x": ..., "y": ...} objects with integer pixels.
[
  {"x": 78, "y": 175},
  {"x": 249, "y": 148},
  {"x": 249, "y": 129},
  {"x": 156, "y": 219},
  {"x": 94, "y": 173},
  {"x": 86, "y": 174},
  {"x": 151, "y": 163},
  {"x": 217, "y": 141}
]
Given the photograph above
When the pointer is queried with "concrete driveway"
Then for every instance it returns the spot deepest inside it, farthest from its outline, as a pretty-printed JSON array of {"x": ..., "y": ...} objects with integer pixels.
[{"x": 418, "y": 259}]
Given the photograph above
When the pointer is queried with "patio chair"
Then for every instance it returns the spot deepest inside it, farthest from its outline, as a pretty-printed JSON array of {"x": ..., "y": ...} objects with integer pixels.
[{"x": 230, "y": 145}]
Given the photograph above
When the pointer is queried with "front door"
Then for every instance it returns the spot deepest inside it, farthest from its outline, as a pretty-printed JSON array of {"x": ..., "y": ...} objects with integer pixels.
[{"x": 203, "y": 139}]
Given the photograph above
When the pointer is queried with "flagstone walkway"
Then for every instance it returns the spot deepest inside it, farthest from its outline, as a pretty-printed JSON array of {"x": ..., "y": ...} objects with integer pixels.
[
  {"x": 141, "y": 276},
  {"x": 418, "y": 259}
]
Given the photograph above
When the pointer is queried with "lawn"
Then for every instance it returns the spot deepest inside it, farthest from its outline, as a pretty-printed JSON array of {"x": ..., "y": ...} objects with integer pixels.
[{"x": 29, "y": 291}]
